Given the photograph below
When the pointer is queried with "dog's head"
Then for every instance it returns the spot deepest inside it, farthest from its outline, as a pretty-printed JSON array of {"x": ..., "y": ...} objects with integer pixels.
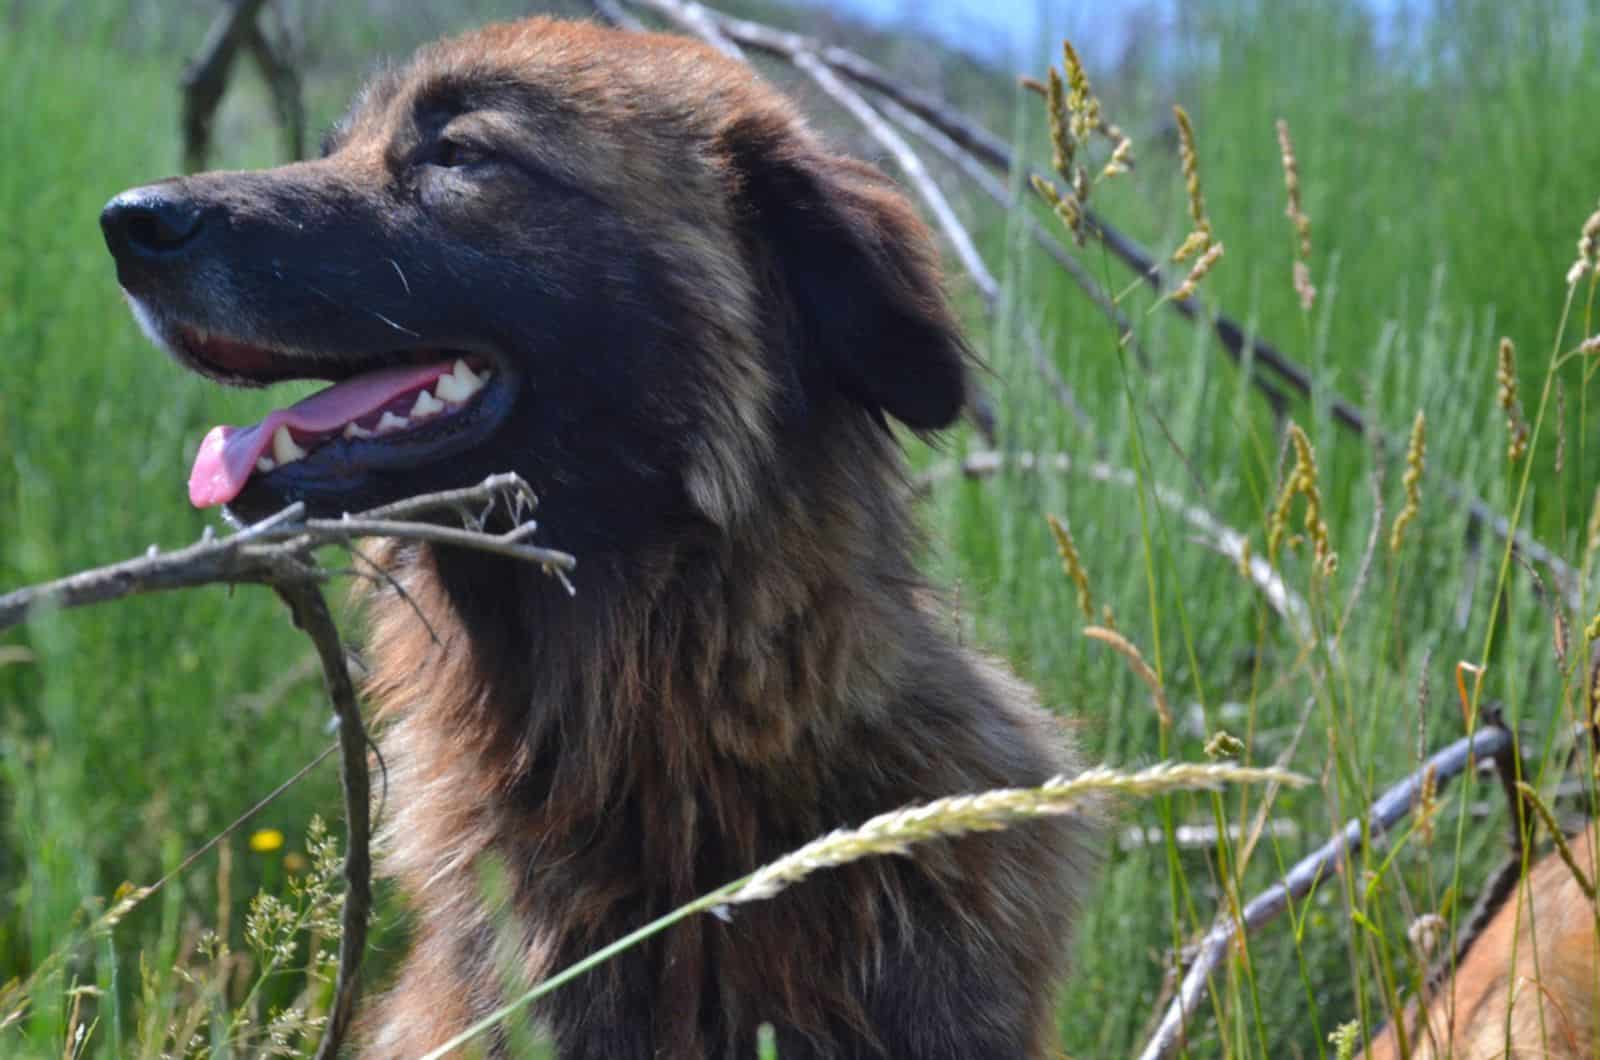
[{"x": 617, "y": 264}]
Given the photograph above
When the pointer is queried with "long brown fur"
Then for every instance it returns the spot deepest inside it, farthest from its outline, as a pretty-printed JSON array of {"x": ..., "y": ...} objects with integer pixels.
[{"x": 1529, "y": 985}]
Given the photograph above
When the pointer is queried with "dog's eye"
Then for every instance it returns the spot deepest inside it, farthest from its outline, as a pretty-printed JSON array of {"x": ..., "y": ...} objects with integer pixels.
[{"x": 453, "y": 154}]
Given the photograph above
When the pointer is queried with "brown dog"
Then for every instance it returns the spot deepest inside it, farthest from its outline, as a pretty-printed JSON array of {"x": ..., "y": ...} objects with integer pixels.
[
  {"x": 1529, "y": 985},
  {"x": 622, "y": 267}
]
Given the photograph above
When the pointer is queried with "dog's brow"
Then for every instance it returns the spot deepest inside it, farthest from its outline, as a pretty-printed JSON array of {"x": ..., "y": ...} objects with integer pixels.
[{"x": 453, "y": 93}]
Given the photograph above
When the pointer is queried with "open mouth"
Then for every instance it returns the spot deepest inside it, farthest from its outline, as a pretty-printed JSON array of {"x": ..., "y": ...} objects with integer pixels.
[{"x": 407, "y": 407}]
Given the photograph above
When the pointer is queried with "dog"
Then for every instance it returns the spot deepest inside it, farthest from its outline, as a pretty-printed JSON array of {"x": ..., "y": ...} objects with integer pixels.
[
  {"x": 1528, "y": 984},
  {"x": 621, "y": 266}
]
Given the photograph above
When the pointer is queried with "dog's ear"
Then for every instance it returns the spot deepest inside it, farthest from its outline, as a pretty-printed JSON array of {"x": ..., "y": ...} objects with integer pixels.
[{"x": 858, "y": 273}]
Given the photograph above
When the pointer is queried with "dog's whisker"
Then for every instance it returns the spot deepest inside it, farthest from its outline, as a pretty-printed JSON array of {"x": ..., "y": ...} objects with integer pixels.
[
  {"x": 400, "y": 273},
  {"x": 398, "y": 327}
]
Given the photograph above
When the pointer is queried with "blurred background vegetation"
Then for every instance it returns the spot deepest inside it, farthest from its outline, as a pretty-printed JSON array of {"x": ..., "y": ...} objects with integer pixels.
[{"x": 1448, "y": 158}]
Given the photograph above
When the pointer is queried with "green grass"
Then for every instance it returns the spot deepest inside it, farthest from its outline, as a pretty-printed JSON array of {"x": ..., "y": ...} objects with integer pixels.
[{"x": 1446, "y": 174}]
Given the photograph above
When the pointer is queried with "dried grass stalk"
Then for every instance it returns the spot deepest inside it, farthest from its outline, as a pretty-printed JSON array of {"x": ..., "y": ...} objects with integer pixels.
[{"x": 898, "y": 831}]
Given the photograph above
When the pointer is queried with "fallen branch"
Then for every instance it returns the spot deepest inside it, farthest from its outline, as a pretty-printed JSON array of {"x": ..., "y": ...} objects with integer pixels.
[{"x": 1390, "y": 807}]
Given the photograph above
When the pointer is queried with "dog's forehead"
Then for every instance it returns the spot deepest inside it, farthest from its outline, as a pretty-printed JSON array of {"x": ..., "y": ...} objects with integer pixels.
[{"x": 555, "y": 69}]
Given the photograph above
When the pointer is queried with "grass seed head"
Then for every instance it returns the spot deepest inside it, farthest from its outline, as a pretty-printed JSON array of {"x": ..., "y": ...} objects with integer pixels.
[
  {"x": 1200, "y": 238},
  {"x": 1062, "y": 144},
  {"x": 1072, "y": 564},
  {"x": 1081, "y": 102},
  {"x": 1302, "y": 480},
  {"x": 1121, "y": 160},
  {"x": 1506, "y": 398},
  {"x": 1588, "y": 249},
  {"x": 1291, "y": 179},
  {"x": 897, "y": 831},
  {"x": 1224, "y": 744},
  {"x": 1428, "y": 803},
  {"x": 1207, "y": 261},
  {"x": 1416, "y": 454},
  {"x": 1130, "y": 652},
  {"x": 1296, "y": 213},
  {"x": 1303, "y": 286}
]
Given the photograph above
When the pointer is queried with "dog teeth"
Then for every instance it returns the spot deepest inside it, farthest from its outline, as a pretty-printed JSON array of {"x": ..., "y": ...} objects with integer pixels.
[
  {"x": 427, "y": 405},
  {"x": 451, "y": 389},
  {"x": 284, "y": 449},
  {"x": 459, "y": 384},
  {"x": 391, "y": 423},
  {"x": 265, "y": 464},
  {"x": 354, "y": 431}
]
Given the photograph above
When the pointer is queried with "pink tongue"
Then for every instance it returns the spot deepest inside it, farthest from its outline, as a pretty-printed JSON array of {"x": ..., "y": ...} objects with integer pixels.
[{"x": 228, "y": 455}]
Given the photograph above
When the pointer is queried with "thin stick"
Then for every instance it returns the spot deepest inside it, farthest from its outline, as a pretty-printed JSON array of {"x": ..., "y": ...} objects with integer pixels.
[
  {"x": 910, "y": 164},
  {"x": 277, "y": 551},
  {"x": 310, "y": 611},
  {"x": 1304, "y": 877},
  {"x": 698, "y": 20}
]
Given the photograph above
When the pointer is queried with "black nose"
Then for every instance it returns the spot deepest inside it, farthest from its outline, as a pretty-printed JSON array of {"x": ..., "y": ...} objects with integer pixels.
[{"x": 151, "y": 222}]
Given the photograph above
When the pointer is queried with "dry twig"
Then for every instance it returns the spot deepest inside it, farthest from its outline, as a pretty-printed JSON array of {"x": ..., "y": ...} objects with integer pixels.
[
  {"x": 311, "y": 614},
  {"x": 277, "y": 551},
  {"x": 206, "y": 80},
  {"x": 1303, "y": 878}
]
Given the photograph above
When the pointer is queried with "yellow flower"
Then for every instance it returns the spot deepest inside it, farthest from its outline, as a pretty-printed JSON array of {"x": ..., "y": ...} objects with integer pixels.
[{"x": 266, "y": 840}]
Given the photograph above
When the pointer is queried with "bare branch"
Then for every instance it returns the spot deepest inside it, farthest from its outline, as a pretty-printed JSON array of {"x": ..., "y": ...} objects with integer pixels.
[
  {"x": 696, "y": 20},
  {"x": 329, "y": 531},
  {"x": 206, "y": 78},
  {"x": 311, "y": 614},
  {"x": 910, "y": 164},
  {"x": 277, "y": 551},
  {"x": 284, "y": 82},
  {"x": 1303, "y": 878}
]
